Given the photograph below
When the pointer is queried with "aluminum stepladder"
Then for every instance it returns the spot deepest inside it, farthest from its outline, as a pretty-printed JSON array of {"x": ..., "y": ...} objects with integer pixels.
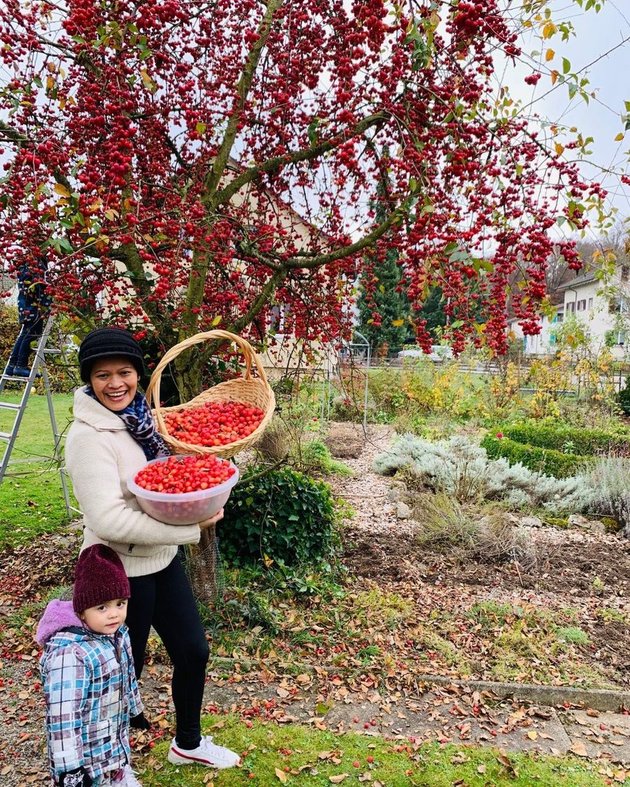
[{"x": 38, "y": 368}]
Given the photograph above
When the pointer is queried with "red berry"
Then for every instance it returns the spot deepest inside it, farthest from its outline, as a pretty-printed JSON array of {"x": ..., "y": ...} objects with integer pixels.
[
  {"x": 213, "y": 423},
  {"x": 180, "y": 474}
]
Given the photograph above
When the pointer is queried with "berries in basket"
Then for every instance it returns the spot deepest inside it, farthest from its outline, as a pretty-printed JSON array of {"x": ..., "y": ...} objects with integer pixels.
[
  {"x": 183, "y": 490},
  {"x": 214, "y": 423}
]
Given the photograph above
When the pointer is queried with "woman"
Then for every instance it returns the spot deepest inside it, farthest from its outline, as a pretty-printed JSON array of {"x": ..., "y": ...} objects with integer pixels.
[{"x": 111, "y": 438}]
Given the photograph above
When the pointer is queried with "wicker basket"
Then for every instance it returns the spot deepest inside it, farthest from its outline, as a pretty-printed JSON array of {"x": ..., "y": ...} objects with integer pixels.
[{"x": 249, "y": 389}]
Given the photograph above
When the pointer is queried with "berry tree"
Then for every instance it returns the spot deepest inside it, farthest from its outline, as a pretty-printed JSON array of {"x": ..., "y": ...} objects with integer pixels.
[{"x": 190, "y": 163}]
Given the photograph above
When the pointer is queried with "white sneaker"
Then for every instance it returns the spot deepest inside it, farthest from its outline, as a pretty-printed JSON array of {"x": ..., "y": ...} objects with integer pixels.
[
  {"x": 207, "y": 753},
  {"x": 128, "y": 779}
]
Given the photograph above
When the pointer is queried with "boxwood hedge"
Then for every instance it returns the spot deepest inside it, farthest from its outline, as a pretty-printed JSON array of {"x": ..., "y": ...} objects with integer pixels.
[{"x": 540, "y": 460}]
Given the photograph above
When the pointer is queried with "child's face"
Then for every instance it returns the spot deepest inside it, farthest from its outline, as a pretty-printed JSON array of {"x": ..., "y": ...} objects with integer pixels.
[{"x": 106, "y": 618}]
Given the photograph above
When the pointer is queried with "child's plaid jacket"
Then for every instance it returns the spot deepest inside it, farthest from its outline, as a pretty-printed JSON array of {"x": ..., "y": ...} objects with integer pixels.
[{"x": 91, "y": 692}]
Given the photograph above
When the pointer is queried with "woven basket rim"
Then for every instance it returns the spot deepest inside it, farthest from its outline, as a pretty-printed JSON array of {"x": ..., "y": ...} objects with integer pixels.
[{"x": 265, "y": 398}]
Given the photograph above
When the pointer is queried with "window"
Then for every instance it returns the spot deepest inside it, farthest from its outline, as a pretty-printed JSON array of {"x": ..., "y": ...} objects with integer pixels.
[
  {"x": 590, "y": 303},
  {"x": 581, "y": 305},
  {"x": 570, "y": 307}
]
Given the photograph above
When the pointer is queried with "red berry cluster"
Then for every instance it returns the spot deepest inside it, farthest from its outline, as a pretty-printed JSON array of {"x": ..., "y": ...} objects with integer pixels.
[
  {"x": 180, "y": 474},
  {"x": 116, "y": 112},
  {"x": 214, "y": 423}
]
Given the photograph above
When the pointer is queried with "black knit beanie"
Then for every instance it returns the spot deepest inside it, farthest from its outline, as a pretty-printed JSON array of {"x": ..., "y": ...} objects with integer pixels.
[
  {"x": 108, "y": 343},
  {"x": 99, "y": 577}
]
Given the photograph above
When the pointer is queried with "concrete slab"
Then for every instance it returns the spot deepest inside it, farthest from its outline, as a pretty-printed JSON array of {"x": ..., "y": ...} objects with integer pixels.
[
  {"x": 449, "y": 717},
  {"x": 599, "y": 734}
]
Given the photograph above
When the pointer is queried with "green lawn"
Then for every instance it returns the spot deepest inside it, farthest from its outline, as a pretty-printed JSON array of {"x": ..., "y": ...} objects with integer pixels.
[
  {"x": 31, "y": 498},
  {"x": 300, "y": 755}
]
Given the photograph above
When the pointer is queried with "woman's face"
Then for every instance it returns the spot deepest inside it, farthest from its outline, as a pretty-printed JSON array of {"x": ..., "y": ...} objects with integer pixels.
[{"x": 114, "y": 382}]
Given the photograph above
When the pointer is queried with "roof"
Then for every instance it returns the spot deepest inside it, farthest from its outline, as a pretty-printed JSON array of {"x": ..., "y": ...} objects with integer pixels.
[{"x": 578, "y": 281}]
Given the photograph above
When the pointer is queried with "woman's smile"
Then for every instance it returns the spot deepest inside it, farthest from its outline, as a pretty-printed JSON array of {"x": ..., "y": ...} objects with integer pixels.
[{"x": 114, "y": 382}]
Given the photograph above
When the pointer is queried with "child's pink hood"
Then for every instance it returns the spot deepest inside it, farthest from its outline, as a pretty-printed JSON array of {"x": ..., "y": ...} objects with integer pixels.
[{"x": 57, "y": 615}]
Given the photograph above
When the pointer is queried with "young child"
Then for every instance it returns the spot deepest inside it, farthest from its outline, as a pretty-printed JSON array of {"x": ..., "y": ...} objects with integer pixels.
[{"x": 88, "y": 677}]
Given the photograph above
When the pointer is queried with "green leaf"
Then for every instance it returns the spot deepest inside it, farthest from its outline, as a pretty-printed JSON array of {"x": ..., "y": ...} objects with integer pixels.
[{"x": 566, "y": 65}]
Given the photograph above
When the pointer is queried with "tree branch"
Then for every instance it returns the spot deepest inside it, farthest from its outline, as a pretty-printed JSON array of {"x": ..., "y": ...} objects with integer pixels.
[
  {"x": 11, "y": 134},
  {"x": 306, "y": 154},
  {"x": 318, "y": 260},
  {"x": 261, "y": 300},
  {"x": 244, "y": 85}
]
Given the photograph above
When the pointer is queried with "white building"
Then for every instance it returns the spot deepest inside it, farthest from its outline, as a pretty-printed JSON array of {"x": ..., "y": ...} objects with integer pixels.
[{"x": 605, "y": 317}]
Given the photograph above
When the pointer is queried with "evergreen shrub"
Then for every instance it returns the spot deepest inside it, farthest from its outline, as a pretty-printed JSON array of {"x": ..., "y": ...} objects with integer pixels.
[
  {"x": 539, "y": 460},
  {"x": 9, "y": 329},
  {"x": 281, "y": 515},
  {"x": 569, "y": 440},
  {"x": 610, "y": 479}
]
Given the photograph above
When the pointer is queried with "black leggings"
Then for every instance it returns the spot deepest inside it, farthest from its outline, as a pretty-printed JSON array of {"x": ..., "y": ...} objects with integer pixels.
[{"x": 165, "y": 601}]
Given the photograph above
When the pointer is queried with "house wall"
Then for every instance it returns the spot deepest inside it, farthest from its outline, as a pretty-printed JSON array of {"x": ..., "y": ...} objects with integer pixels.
[{"x": 592, "y": 309}]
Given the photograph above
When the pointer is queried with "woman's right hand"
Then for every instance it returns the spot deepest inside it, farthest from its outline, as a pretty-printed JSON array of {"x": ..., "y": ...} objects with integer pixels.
[{"x": 211, "y": 521}]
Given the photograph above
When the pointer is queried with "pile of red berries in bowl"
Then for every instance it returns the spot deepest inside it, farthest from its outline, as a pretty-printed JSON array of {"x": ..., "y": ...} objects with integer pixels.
[{"x": 183, "y": 490}]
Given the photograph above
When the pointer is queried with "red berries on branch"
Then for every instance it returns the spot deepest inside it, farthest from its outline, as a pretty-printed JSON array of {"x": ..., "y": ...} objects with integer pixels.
[{"x": 168, "y": 197}]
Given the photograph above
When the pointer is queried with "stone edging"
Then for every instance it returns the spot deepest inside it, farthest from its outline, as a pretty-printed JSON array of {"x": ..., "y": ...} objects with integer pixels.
[{"x": 598, "y": 699}]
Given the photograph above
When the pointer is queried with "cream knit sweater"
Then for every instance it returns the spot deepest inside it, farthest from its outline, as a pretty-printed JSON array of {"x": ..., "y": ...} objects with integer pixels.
[{"x": 100, "y": 456}]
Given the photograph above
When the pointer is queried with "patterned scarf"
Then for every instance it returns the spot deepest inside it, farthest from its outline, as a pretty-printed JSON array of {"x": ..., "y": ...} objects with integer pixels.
[{"x": 139, "y": 422}]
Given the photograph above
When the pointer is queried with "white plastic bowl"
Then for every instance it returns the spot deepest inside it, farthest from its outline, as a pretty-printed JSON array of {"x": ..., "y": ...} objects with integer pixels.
[{"x": 186, "y": 508}]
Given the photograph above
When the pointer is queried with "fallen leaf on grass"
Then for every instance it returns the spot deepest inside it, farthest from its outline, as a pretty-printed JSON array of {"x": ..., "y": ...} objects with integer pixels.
[
  {"x": 281, "y": 775},
  {"x": 338, "y": 779},
  {"x": 507, "y": 764}
]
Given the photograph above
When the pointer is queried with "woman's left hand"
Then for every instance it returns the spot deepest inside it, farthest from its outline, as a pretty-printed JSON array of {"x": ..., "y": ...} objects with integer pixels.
[{"x": 211, "y": 521}]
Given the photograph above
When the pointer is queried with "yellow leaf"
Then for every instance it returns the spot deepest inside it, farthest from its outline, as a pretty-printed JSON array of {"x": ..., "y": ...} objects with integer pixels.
[
  {"x": 147, "y": 81},
  {"x": 559, "y": 148},
  {"x": 111, "y": 214},
  {"x": 338, "y": 779},
  {"x": 60, "y": 189},
  {"x": 532, "y": 735},
  {"x": 554, "y": 76},
  {"x": 549, "y": 55},
  {"x": 281, "y": 775},
  {"x": 549, "y": 29},
  {"x": 216, "y": 321},
  {"x": 619, "y": 137},
  {"x": 50, "y": 83},
  {"x": 397, "y": 323}
]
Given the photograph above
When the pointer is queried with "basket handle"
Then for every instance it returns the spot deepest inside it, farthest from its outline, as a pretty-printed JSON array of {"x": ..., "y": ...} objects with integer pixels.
[{"x": 153, "y": 389}]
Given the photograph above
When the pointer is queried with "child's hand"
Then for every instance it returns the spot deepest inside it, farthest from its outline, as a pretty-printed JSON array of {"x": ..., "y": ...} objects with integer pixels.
[{"x": 79, "y": 777}]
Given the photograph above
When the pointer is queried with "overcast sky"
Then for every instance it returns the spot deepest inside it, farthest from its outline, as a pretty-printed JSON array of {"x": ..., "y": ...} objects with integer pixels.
[{"x": 596, "y": 34}]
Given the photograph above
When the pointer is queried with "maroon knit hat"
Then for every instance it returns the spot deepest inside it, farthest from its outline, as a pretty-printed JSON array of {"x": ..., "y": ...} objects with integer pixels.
[{"x": 98, "y": 577}]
